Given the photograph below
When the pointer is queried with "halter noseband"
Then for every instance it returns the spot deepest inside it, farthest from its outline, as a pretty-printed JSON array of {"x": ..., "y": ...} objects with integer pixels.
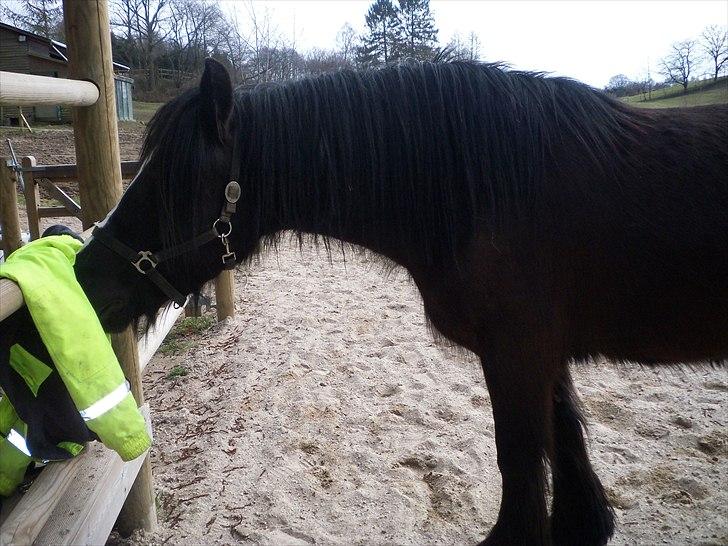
[{"x": 146, "y": 261}]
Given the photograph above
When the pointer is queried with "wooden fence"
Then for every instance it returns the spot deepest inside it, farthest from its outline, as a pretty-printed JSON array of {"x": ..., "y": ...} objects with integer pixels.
[{"x": 78, "y": 501}]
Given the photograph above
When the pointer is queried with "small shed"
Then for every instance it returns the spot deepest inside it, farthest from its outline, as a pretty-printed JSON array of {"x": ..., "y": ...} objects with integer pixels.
[
  {"x": 29, "y": 53},
  {"x": 123, "y": 86}
]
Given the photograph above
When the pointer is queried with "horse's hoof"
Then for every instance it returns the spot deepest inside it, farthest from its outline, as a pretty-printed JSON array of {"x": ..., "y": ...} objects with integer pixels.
[{"x": 593, "y": 530}]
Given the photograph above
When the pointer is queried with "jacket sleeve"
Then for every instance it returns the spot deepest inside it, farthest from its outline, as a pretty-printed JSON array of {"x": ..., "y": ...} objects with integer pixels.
[
  {"x": 76, "y": 342},
  {"x": 13, "y": 462}
]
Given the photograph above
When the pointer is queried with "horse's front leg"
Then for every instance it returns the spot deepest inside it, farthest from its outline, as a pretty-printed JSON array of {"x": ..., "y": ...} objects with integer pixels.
[
  {"x": 581, "y": 514},
  {"x": 521, "y": 390}
]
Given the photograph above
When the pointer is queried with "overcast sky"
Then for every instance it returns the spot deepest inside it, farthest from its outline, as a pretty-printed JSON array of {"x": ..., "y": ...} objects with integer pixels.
[{"x": 588, "y": 40}]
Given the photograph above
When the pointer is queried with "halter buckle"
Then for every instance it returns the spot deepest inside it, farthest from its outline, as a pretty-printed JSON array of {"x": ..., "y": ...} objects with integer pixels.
[{"x": 145, "y": 257}]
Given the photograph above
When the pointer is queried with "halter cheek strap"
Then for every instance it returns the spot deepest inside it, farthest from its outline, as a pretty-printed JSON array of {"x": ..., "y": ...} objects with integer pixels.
[{"x": 146, "y": 261}]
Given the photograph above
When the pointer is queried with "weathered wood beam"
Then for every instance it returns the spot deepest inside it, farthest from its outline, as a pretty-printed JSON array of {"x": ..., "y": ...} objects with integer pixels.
[{"x": 27, "y": 90}]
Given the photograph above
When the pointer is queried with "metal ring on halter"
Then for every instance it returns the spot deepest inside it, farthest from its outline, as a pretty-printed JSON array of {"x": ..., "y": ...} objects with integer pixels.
[
  {"x": 144, "y": 257},
  {"x": 229, "y": 231}
]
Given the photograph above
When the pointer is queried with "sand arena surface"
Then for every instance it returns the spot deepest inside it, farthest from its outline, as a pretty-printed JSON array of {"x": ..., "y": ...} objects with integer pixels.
[{"x": 324, "y": 412}]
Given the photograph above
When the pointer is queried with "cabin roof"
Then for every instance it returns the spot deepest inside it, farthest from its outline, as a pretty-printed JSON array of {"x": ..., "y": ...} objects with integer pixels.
[{"x": 58, "y": 47}]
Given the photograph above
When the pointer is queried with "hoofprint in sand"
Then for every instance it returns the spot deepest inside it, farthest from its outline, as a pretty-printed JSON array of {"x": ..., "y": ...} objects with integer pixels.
[{"x": 326, "y": 412}]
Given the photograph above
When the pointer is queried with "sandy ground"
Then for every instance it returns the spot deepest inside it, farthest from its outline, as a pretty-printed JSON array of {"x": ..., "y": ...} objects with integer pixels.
[{"x": 324, "y": 412}]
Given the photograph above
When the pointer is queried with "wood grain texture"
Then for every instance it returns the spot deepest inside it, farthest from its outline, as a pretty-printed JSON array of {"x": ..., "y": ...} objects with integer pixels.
[
  {"x": 96, "y": 135},
  {"x": 224, "y": 295},
  {"x": 11, "y": 299},
  {"x": 149, "y": 344},
  {"x": 32, "y": 197},
  {"x": 139, "y": 511},
  {"x": 75, "y": 501},
  {"x": 27, "y": 90},
  {"x": 35, "y": 507},
  {"x": 55, "y": 212},
  {"x": 66, "y": 171},
  {"x": 61, "y": 196},
  {"x": 95, "y": 128},
  {"x": 9, "y": 217}
]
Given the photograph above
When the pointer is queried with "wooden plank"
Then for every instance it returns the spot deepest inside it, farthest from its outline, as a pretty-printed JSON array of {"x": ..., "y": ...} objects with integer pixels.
[
  {"x": 25, "y": 121},
  {"x": 32, "y": 197},
  {"x": 55, "y": 212},
  {"x": 28, "y": 90},
  {"x": 149, "y": 344},
  {"x": 70, "y": 171},
  {"x": 9, "y": 217},
  {"x": 140, "y": 510},
  {"x": 61, "y": 196},
  {"x": 104, "y": 481},
  {"x": 8, "y": 505},
  {"x": 35, "y": 507},
  {"x": 11, "y": 299}
]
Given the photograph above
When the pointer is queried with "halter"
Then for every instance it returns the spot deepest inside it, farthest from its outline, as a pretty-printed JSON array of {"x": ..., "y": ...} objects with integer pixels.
[{"x": 146, "y": 261}]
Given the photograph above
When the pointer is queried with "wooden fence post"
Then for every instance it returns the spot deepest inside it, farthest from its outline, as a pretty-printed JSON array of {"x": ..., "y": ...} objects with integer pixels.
[
  {"x": 139, "y": 510},
  {"x": 96, "y": 135},
  {"x": 9, "y": 218},
  {"x": 32, "y": 198},
  {"x": 224, "y": 294}
]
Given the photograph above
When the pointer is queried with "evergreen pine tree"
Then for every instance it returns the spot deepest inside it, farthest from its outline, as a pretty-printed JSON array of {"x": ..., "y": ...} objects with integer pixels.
[
  {"x": 380, "y": 43},
  {"x": 417, "y": 31}
]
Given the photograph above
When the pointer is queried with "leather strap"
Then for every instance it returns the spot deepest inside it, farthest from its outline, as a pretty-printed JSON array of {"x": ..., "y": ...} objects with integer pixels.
[{"x": 146, "y": 261}]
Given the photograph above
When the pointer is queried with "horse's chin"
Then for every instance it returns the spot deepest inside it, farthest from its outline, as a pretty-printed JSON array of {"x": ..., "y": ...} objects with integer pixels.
[{"x": 113, "y": 320}]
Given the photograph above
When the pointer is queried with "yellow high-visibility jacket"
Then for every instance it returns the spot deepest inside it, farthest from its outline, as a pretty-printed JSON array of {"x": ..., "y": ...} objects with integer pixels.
[{"x": 76, "y": 342}]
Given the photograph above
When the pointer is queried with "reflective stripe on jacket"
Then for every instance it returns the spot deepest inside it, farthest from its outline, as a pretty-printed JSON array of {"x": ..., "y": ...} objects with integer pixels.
[
  {"x": 13, "y": 461},
  {"x": 76, "y": 342}
]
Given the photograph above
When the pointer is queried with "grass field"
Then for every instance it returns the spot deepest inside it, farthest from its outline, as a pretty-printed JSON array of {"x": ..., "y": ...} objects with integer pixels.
[
  {"x": 699, "y": 94},
  {"x": 143, "y": 111}
]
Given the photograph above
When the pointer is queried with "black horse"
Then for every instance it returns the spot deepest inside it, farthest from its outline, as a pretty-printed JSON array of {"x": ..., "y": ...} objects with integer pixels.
[{"x": 542, "y": 221}]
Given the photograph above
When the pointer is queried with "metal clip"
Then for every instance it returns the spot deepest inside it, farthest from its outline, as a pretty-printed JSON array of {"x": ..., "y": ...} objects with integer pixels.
[
  {"x": 229, "y": 259},
  {"x": 145, "y": 256}
]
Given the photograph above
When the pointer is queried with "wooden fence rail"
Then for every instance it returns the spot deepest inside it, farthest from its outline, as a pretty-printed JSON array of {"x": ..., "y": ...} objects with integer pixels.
[
  {"x": 27, "y": 90},
  {"x": 46, "y": 176}
]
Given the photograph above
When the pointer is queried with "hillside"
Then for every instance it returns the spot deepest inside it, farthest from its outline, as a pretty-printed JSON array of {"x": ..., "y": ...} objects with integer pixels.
[{"x": 698, "y": 94}]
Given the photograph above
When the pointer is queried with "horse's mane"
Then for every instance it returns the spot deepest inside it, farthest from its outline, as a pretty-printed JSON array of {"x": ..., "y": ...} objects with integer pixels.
[{"x": 415, "y": 155}]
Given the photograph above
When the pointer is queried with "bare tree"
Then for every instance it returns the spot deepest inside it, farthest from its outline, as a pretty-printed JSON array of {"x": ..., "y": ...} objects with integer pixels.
[
  {"x": 144, "y": 25},
  {"x": 235, "y": 44},
  {"x": 319, "y": 61},
  {"x": 679, "y": 64},
  {"x": 43, "y": 17},
  {"x": 474, "y": 46},
  {"x": 715, "y": 44},
  {"x": 346, "y": 42},
  {"x": 459, "y": 49},
  {"x": 196, "y": 29}
]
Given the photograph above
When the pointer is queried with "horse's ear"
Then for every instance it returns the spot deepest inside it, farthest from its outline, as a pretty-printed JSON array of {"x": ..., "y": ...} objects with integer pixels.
[{"x": 216, "y": 100}]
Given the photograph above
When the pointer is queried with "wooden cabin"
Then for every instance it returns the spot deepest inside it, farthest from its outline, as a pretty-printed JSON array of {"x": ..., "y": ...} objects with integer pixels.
[{"x": 28, "y": 53}]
